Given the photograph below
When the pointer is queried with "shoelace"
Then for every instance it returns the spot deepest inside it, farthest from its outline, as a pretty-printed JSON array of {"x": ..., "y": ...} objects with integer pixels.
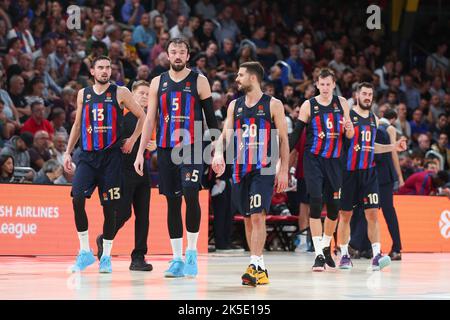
[{"x": 190, "y": 259}]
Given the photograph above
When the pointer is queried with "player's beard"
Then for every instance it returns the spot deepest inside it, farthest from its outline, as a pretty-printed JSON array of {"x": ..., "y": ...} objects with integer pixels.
[
  {"x": 102, "y": 81},
  {"x": 245, "y": 89},
  {"x": 177, "y": 68},
  {"x": 364, "y": 106}
]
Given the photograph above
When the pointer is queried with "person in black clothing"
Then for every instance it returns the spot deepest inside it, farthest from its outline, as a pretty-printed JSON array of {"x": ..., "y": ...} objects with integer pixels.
[{"x": 136, "y": 189}]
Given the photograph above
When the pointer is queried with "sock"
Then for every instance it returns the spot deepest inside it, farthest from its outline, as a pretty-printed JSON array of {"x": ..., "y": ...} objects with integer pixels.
[
  {"x": 344, "y": 249},
  {"x": 317, "y": 245},
  {"x": 192, "y": 240},
  {"x": 84, "y": 240},
  {"x": 254, "y": 260},
  {"x": 326, "y": 240},
  {"x": 376, "y": 248},
  {"x": 177, "y": 247},
  {"x": 261, "y": 263},
  {"x": 107, "y": 246}
]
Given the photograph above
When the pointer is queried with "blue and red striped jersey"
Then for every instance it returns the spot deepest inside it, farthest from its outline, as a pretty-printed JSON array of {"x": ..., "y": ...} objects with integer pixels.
[
  {"x": 361, "y": 148},
  {"x": 325, "y": 132},
  {"x": 179, "y": 108},
  {"x": 252, "y": 136},
  {"x": 102, "y": 119}
]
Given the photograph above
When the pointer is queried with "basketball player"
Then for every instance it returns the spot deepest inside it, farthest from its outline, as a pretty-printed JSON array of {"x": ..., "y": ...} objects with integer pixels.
[
  {"x": 180, "y": 96},
  {"x": 251, "y": 119},
  {"x": 360, "y": 179},
  {"x": 328, "y": 121},
  {"x": 99, "y": 121},
  {"x": 136, "y": 188}
]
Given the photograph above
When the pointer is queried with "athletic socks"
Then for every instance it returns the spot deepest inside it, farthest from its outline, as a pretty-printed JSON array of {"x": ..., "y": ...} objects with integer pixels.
[
  {"x": 326, "y": 240},
  {"x": 84, "y": 240},
  {"x": 344, "y": 249},
  {"x": 107, "y": 247},
  {"x": 177, "y": 248},
  {"x": 254, "y": 260},
  {"x": 376, "y": 248},
  {"x": 317, "y": 245},
  {"x": 261, "y": 263},
  {"x": 192, "y": 240}
]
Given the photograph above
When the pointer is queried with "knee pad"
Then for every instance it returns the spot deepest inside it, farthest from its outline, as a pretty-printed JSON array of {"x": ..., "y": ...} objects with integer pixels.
[
  {"x": 315, "y": 208},
  {"x": 78, "y": 204},
  {"x": 333, "y": 209}
]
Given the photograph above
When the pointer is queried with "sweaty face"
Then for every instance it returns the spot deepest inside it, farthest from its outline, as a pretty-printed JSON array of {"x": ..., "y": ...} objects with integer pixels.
[
  {"x": 326, "y": 86},
  {"x": 101, "y": 71},
  {"x": 243, "y": 80},
  {"x": 365, "y": 98},
  {"x": 178, "y": 56}
]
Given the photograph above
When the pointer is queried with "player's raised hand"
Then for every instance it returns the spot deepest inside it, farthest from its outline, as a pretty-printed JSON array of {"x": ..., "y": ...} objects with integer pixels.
[
  {"x": 218, "y": 164},
  {"x": 68, "y": 167},
  {"x": 139, "y": 164},
  {"x": 400, "y": 145},
  {"x": 127, "y": 146}
]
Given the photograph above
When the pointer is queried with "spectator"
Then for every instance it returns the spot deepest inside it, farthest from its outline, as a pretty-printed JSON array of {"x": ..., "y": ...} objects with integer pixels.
[
  {"x": 385, "y": 73},
  {"x": 442, "y": 147},
  {"x": 181, "y": 29},
  {"x": 205, "y": 9},
  {"x": 424, "y": 144},
  {"x": 424, "y": 183},
  {"x": 418, "y": 125},
  {"x": 227, "y": 57},
  {"x": 35, "y": 92},
  {"x": 73, "y": 74},
  {"x": 66, "y": 178},
  {"x": 40, "y": 151},
  {"x": 412, "y": 94},
  {"x": 144, "y": 38},
  {"x": 59, "y": 60},
  {"x": 162, "y": 65},
  {"x": 143, "y": 73},
  {"x": 160, "y": 9},
  {"x": 228, "y": 27},
  {"x": 21, "y": 31},
  {"x": 48, "y": 47},
  {"x": 297, "y": 68},
  {"x": 175, "y": 9},
  {"x": 264, "y": 52},
  {"x": 200, "y": 64},
  {"x": 37, "y": 120},
  {"x": 98, "y": 33},
  {"x": 49, "y": 83},
  {"x": 6, "y": 169},
  {"x": 51, "y": 171},
  {"x": 206, "y": 34},
  {"x": 435, "y": 108},
  {"x": 17, "y": 147},
  {"x": 337, "y": 64},
  {"x": 113, "y": 34},
  {"x": 440, "y": 127},
  {"x": 132, "y": 12},
  {"x": 129, "y": 50},
  {"x": 16, "y": 92},
  {"x": 58, "y": 147},
  {"x": 163, "y": 38},
  {"x": 212, "y": 59},
  {"x": 58, "y": 119},
  {"x": 158, "y": 25},
  {"x": 8, "y": 126},
  {"x": 437, "y": 61},
  {"x": 402, "y": 125}
]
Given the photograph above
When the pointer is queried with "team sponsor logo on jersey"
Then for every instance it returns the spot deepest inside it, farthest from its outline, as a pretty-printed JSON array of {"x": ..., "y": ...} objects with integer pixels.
[
  {"x": 188, "y": 176},
  {"x": 366, "y": 201},
  {"x": 108, "y": 97},
  {"x": 357, "y": 147},
  {"x": 355, "y": 119},
  {"x": 105, "y": 196},
  {"x": 88, "y": 96},
  {"x": 261, "y": 110},
  {"x": 316, "y": 109},
  {"x": 89, "y": 129},
  {"x": 188, "y": 87},
  {"x": 166, "y": 118},
  {"x": 322, "y": 135}
]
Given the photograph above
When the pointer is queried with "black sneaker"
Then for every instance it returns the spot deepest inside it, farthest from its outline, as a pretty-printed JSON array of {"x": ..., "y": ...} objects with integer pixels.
[
  {"x": 328, "y": 258},
  {"x": 319, "y": 264},
  {"x": 395, "y": 256},
  {"x": 140, "y": 265},
  {"x": 366, "y": 254},
  {"x": 353, "y": 253},
  {"x": 99, "y": 242}
]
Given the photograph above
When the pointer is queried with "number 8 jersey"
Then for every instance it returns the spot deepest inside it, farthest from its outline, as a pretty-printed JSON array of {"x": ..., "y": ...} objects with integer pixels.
[
  {"x": 325, "y": 132},
  {"x": 252, "y": 136}
]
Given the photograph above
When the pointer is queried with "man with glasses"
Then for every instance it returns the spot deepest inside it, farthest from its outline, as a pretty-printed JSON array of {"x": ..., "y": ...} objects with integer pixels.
[{"x": 37, "y": 120}]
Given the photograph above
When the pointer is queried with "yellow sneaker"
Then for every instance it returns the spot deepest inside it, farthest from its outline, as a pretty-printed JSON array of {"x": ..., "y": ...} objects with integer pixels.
[
  {"x": 249, "y": 278},
  {"x": 262, "y": 277}
]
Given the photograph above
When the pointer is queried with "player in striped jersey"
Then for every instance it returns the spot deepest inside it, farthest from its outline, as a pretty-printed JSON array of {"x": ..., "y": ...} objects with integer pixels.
[
  {"x": 180, "y": 98},
  {"x": 360, "y": 179},
  {"x": 328, "y": 121},
  {"x": 99, "y": 121},
  {"x": 251, "y": 121}
]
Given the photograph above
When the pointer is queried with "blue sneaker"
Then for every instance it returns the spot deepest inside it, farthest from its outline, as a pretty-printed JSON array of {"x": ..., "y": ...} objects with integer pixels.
[
  {"x": 191, "y": 267},
  {"x": 84, "y": 260},
  {"x": 105, "y": 264},
  {"x": 175, "y": 269},
  {"x": 380, "y": 262}
]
